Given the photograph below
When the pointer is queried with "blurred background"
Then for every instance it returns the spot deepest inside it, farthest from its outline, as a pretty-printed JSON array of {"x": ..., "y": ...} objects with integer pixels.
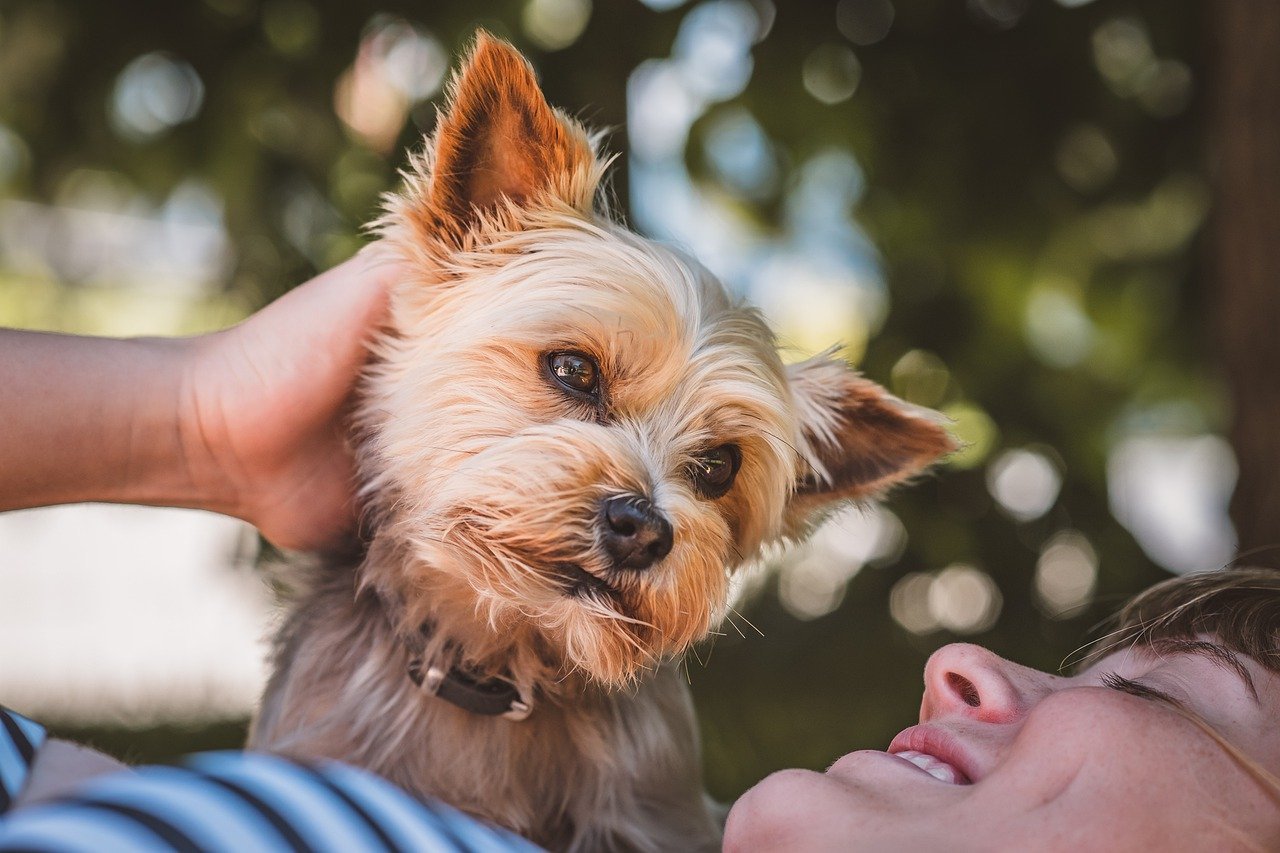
[{"x": 1049, "y": 219}]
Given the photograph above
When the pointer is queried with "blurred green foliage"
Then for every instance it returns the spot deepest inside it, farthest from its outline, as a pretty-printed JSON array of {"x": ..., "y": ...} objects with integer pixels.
[{"x": 1022, "y": 162}]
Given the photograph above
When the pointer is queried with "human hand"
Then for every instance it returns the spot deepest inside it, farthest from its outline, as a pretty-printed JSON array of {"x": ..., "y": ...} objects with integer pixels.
[{"x": 264, "y": 404}]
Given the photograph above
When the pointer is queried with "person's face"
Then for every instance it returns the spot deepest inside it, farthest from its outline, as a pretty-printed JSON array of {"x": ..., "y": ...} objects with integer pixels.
[{"x": 1006, "y": 757}]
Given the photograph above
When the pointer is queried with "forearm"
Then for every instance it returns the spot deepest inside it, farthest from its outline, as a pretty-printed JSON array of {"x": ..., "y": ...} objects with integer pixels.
[
  {"x": 99, "y": 419},
  {"x": 249, "y": 421}
]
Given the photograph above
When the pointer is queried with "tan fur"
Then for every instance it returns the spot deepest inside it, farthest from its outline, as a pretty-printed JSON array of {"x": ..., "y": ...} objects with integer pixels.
[{"x": 483, "y": 479}]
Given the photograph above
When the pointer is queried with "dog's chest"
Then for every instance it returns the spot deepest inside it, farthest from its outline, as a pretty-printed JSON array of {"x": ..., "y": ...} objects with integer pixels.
[{"x": 608, "y": 772}]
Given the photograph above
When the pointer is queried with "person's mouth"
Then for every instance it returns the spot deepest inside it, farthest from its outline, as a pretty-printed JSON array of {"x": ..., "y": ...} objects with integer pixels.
[
  {"x": 934, "y": 752},
  {"x": 935, "y": 767}
]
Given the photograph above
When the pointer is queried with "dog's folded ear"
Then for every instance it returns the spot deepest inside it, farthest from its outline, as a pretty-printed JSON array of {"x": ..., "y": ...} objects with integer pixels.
[
  {"x": 857, "y": 440},
  {"x": 498, "y": 141}
]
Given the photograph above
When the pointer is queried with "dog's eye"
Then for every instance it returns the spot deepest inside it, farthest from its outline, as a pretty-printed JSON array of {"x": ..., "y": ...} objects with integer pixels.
[
  {"x": 713, "y": 471},
  {"x": 575, "y": 371}
]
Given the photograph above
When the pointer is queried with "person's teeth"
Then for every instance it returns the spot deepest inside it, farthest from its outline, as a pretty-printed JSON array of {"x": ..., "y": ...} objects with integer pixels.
[
  {"x": 939, "y": 770},
  {"x": 945, "y": 774}
]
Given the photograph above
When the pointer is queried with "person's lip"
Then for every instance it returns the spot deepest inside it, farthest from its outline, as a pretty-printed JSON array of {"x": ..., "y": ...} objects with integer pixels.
[{"x": 939, "y": 745}]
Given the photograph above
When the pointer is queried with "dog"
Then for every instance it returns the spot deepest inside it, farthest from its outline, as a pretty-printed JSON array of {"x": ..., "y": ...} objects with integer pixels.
[{"x": 569, "y": 438}]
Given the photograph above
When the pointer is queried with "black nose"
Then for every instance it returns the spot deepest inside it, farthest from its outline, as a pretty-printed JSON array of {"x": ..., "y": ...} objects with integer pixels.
[{"x": 633, "y": 532}]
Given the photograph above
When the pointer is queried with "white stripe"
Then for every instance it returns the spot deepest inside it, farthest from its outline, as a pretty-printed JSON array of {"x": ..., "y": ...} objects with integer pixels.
[
  {"x": 213, "y": 818},
  {"x": 68, "y": 829},
  {"x": 308, "y": 807}
]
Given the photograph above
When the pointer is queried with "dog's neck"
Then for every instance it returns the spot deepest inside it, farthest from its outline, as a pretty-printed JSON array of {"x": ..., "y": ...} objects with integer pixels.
[
  {"x": 453, "y": 658},
  {"x": 442, "y": 671}
]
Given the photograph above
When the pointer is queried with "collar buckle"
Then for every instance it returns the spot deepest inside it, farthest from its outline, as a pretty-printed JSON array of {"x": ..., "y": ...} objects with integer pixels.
[{"x": 490, "y": 697}]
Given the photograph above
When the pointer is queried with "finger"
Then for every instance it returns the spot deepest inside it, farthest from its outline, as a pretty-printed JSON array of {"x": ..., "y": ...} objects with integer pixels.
[
  {"x": 340, "y": 307},
  {"x": 313, "y": 341}
]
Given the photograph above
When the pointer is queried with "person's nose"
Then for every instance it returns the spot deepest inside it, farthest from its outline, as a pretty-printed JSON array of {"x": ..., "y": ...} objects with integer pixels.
[{"x": 966, "y": 680}]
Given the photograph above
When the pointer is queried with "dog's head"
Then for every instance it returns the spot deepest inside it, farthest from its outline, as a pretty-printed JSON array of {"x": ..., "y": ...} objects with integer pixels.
[{"x": 573, "y": 429}]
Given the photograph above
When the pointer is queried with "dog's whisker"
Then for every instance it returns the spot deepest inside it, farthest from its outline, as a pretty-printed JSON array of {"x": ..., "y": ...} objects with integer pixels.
[
  {"x": 450, "y": 449},
  {"x": 780, "y": 440},
  {"x": 728, "y": 617},
  {"x": 750, "y": 624}
]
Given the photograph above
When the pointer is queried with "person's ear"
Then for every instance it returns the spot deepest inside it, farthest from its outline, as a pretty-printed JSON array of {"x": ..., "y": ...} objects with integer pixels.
[{"x": 857, "y": 440}]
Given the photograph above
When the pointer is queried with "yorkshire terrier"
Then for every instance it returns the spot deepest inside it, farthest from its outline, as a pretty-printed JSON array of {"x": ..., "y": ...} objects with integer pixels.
[{"x": 569, "y": 438}]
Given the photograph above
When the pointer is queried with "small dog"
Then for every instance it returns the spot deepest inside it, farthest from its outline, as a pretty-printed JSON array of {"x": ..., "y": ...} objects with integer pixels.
[{"x": 569, "y": 438}]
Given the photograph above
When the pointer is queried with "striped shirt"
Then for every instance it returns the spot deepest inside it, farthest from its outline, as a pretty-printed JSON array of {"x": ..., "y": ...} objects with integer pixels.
[
  {"x": 231, "y": 801},
  {"x": 20, "y": 738}
]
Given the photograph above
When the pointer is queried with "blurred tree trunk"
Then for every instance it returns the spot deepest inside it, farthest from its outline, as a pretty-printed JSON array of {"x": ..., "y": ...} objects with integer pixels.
[{"x": 1245, "y": 262}]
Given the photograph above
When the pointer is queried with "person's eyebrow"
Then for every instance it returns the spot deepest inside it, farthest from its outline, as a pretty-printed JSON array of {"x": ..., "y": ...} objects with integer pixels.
[{"x": 1219, "y": 655}]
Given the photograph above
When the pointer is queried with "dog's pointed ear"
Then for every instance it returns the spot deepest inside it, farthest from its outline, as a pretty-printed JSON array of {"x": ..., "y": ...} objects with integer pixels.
[
  {"x": 857, "y": 440},
  {"x": 498, "y": 140}
]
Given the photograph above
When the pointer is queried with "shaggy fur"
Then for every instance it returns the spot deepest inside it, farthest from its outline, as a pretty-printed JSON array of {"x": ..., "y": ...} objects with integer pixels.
[{"x": 484, "y": 479}]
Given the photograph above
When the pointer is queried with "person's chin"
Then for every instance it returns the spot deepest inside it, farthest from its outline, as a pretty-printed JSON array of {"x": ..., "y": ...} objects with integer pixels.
[{"x": 774, "y": 813}]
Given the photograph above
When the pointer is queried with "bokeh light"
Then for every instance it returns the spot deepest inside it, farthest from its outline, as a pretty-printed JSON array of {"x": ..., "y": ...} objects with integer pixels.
[
  {"x": 1057, "y": 327},
  {"x": 292, "y": 27},
  {"x": 961, "y": 599},
  {"x": 741, "y": 154},
  {"x": 1066, "y": 574},
  {"x": 964, "y": 599},
  {"x": 909, "y": 603},
  {"x": 1087, "y": 159},
  {"x": 920, "y": 377},
  {"x": 976, "y": 432},
  {"x": 712, "y": 48},
  {"x": 998, "y": 14},
  {"x": 1172, "y": 492},
  {"x": 555, "y": 24},
  {"x": 813, "y": 578},
  {"x": 15, "y": 157},
  {"x": 1024, "y": 482},
  {"x": 864, "y": 22},
  {"x": 398, "y": 65},
  {"x": 153, "y": 94},
  {"x": 831, "y": 73}
]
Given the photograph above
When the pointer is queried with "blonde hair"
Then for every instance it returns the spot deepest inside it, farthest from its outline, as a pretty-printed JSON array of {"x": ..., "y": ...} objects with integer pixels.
[{"x": 1239, "y": 607}]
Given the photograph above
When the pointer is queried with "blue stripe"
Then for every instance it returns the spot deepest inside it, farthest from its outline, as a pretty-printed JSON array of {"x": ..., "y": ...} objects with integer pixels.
[
  {"x": 167, "y": 836},
  {"x": 354, "y": 807},
  {"x": 33, "y": 730},
  {"x": 413, "y": 825},
  {"x": 212, "y": 817},
  {"x": 308, "y": 808},
  {"x": 13, "y": 769},
  {"x": 16, "y": 758},
  {"x": 193, "y": 804},
  {"x": 402, "y": 817},
  {"x": 317, "y": 803},
  {"x": 72, "y": 829}
]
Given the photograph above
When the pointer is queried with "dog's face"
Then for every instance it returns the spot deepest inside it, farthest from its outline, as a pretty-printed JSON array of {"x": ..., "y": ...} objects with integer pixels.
[{"x": 575, "y": 429}]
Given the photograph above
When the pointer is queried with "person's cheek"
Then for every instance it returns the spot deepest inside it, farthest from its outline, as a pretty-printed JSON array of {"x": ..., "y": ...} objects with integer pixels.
[
  {"x": 1100, "y": 770},
  {"x": 1050, "y": 748}
]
